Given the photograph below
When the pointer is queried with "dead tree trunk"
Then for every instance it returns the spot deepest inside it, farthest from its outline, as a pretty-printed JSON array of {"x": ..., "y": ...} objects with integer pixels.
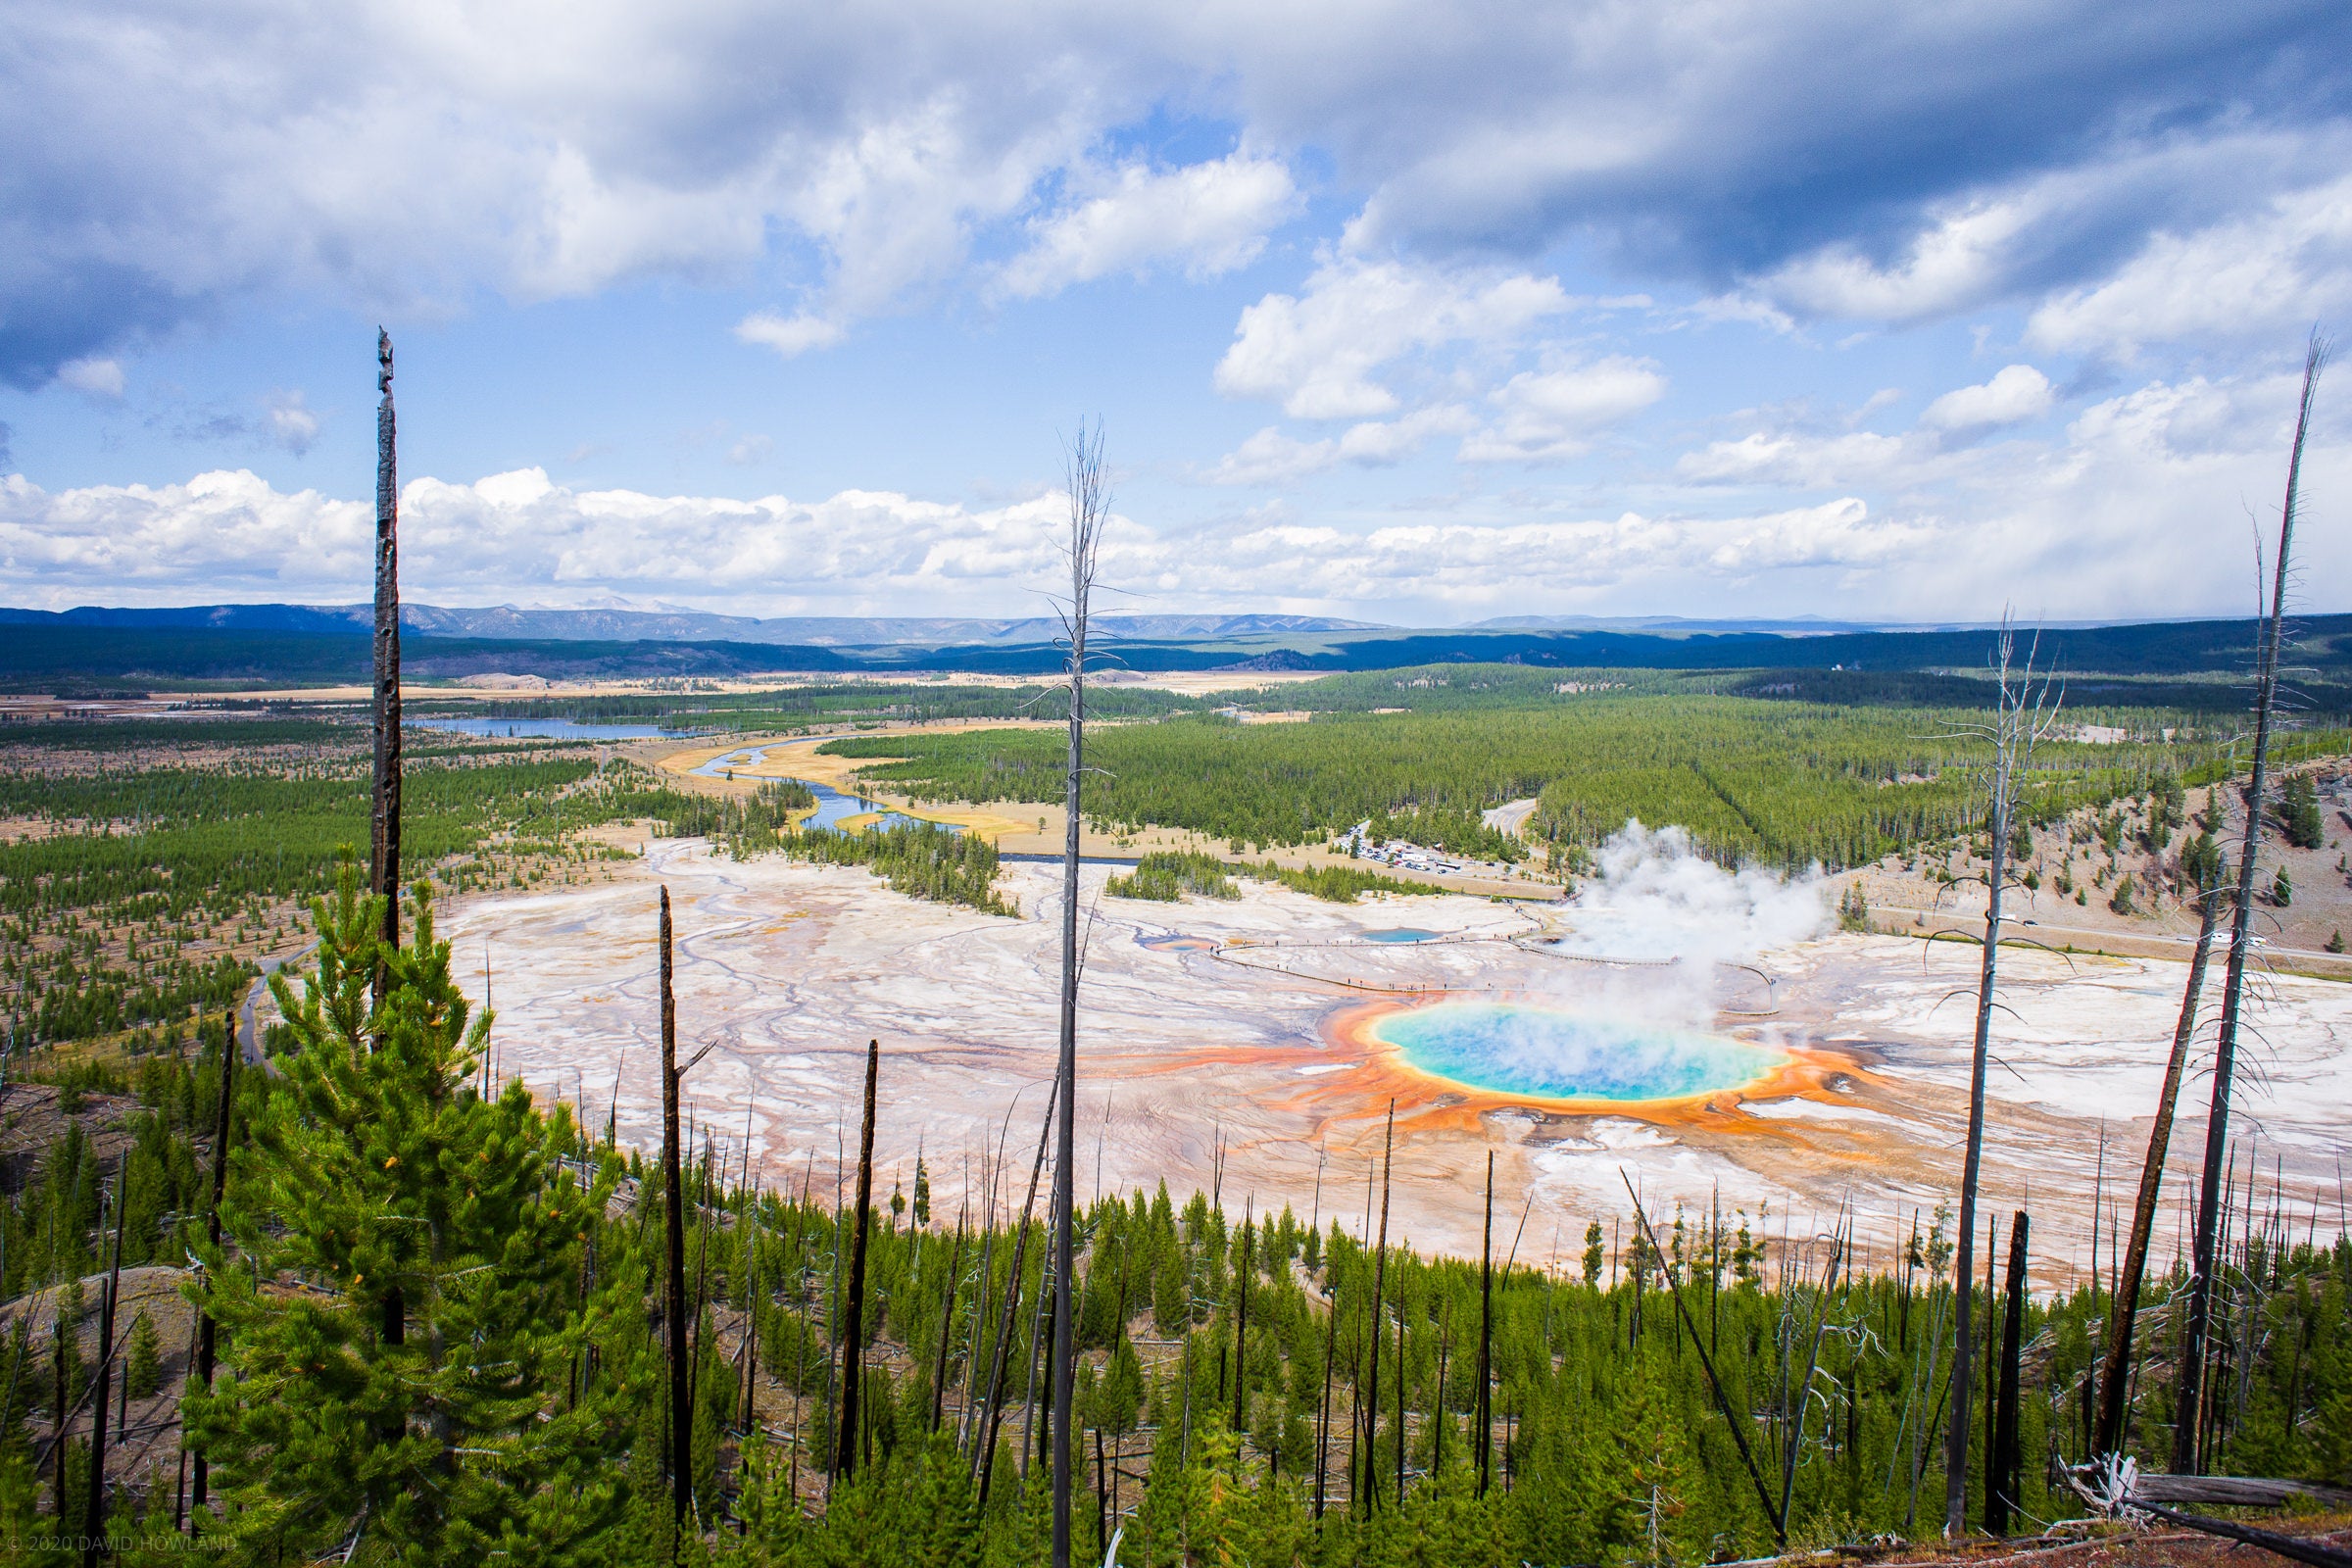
[
  {"x": 992, "y": 1413},
  {"x": 1485, "y": 1336},
  {"x": 750, "y": 1311},
  {"x": 2115, "y": 1378},
  {"x": 1737, "y": 1419},
  {"x": 1331, "y": 1344},
  {"x": 947, "y": 1329},
  {"x": 2005, "y": 1464},
  {"x": 383, "y": 860},
  {"x": 674, "y": 1304},
  {"x": 2016, "y": 725},
  {"x": 1240, "y": 1340},
  {"x": 1090, "y": 507},
  {"x": 2186, "y": 1405},
  {"x": 1380, "y": 1270},
  {"x": 852, "y": 1333},
  {"x": 206, "y": 1330},
  {"x": 93, "y": 1513}
]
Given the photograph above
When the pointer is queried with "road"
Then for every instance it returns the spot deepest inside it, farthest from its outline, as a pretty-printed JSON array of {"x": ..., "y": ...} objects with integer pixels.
[{"x": 248, "y": 1033}]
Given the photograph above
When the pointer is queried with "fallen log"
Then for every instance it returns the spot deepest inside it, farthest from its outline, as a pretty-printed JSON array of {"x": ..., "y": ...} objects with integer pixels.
[
  {"x": 2113, "y": 1485},
  {"x": 2232, "y": 1491},
  {"x": 2300, "y": 1550}
]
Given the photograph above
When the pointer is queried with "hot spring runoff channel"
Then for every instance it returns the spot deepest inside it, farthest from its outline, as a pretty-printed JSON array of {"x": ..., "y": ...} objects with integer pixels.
[{"x": 1547, "y": 1054}]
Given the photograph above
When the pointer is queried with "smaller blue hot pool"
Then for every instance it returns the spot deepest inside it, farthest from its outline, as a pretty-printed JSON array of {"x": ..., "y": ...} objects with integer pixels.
[{"x": 1402, "y": 933}]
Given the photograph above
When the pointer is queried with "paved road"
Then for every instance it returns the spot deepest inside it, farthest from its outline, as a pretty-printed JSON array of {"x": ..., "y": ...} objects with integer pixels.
[{"x": 1508, "y": 818}]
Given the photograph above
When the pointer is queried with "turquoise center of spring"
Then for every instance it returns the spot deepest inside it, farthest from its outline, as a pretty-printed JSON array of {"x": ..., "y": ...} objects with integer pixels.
[{"x": 1548, "y": 1053}]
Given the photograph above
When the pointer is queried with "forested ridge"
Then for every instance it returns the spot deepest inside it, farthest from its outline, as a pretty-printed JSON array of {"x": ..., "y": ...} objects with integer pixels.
[{"x": 1783, "y": 783}]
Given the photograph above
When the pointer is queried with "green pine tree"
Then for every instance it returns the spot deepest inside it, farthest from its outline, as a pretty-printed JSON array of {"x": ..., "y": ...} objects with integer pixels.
[
  {"x": 142, "y": 1372},
  {"x": 2299, "y": 813},
  {"x": 400, "y": 1311}
]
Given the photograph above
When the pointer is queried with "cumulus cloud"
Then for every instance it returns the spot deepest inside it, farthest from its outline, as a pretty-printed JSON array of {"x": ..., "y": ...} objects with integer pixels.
[
  {"x": 1841, "y": 533},
  {"x": 1802, "y": 462},
  {"x": 1209, "y": 218},
  {"x": 2132, "y": 508},
  {"x": 227, "y": 530},
  {"x": 509, "y": 535},
  {"x": 520, "y": 535},
  {"x": 1272, "y": 458},
  {"x": 2064, "y": 232},
  {"x": 175, "y": 161},
  {"x": 291, "y": 424},
  {"x": 790, "y": 335},
  {"x": 1318, "y": 351},
  {"x": 1547, "y": 415},
  {"x": 2017, "y": 394},
  {"x": 94, "y": 377},
  {"x": 1958, "y": 260},
  {"x": 2267, "y": 272}
]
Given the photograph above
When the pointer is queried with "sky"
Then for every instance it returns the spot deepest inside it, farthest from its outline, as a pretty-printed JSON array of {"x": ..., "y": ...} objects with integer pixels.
[{"x": 1408, "y": 314}]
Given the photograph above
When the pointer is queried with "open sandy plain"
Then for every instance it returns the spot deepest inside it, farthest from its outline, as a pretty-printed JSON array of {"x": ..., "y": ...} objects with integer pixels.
[{"x": 1257, "y": 1022}]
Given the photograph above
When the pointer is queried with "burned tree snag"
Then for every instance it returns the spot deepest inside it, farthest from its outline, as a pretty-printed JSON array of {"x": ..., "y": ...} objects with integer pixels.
[{"x": 853, "y": 1332}]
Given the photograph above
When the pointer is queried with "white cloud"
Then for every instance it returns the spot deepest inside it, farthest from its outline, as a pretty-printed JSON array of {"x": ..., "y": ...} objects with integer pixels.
[
  {"x": 2018, "y": 393},
  {"x": 790, "y": 335},
  {"x": 515, "y": 535},
  {"x": 223, "y": 531},
  {"x": 1379, "y": 443},
  {"x": 519, "y": 536},
  {"x": 1552, "y": 413},
  {"x": 1802, "y": 462},
  {"x": 1476, "y": 566},
  {"x": 94, "y": 377},
  {"x": 1959, "y": 259},
  {"x": 1272, "y": 458},
  {"x": 1318, "y": 351},
  {"x": 2268, "y": 272},
  {"x": 1839, "y": 533},
  {"x": 2134, "y": 507},
  {"x": 173, "y": 161},
  {"x": 1211, "y": 217},
  {"x": 291, "y": 424}
]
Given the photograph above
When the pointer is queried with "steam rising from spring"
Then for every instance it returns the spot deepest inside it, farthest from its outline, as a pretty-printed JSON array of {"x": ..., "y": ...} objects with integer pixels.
[{"x": 1658, "y": 898}]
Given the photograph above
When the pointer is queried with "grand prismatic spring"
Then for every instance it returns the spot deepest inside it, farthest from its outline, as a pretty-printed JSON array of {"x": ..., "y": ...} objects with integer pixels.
[
  {"x": 1707, "y": 1034},
  {"x": 1550, "y": 1055}
]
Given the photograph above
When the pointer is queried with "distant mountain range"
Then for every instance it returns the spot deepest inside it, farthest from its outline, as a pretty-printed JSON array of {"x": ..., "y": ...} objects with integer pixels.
[
  {"x": 507, "y": 622},
  {"x": 1798, "y": 626},
  {"x": 621, "y": 624},
  {"x": 263, "y": 644}
]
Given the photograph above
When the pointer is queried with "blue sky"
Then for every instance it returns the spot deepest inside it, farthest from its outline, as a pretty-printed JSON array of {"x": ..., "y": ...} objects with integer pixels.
[{"x": 1408, "y": 314}]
